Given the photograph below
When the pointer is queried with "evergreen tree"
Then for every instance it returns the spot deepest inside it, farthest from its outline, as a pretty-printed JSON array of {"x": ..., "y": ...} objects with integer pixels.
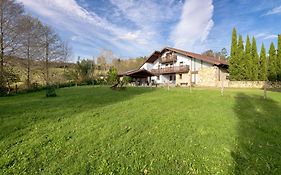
[
  {"x": 255, "y": 59},
  {"x": 240, "y": 60},
  {"x": 248, "y": 59},
  {"x": 278, "y": 60},
  {"x": 263, "y": 64},
  {"x": 272, "y": 76},
  {"x": 233, "y": 57}
]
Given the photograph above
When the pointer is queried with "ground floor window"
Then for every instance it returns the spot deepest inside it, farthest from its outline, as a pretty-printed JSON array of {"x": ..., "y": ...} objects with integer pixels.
[
  {"x": 158, "y": 77},
  {"x": 180, "y": 76},
  {"x": 171, "y": 77}
]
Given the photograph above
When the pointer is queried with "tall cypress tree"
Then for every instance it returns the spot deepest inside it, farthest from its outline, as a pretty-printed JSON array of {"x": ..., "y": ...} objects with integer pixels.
[
  {"x": 272, "y": 75},
  {"x": 278, "y": 59},
  {"x": 233, "y": 56},
  {"x": 240, "y": 60},
  {"x": 263, "y": 64},
  {"x": 248, "y": 59},
  {"x": 255, "y": 60}
]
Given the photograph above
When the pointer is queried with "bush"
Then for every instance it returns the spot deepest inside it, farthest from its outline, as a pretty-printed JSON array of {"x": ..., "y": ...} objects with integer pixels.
[{"x": 51, "y": 91}]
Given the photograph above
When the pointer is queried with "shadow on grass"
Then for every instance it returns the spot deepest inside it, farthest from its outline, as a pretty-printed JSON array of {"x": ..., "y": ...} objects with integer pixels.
[
  {"x": 258, "y": 149},
  {"x": 21, "y": 111}
]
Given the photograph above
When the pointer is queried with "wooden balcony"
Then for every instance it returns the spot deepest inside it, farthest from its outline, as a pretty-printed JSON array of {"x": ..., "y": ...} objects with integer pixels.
[
  {"x": 168, "y": 59},
  {"x": 171, "y": 70}
]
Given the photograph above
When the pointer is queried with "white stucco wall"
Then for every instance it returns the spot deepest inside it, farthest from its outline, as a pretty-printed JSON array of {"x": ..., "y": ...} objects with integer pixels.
[{"x": 194, "y": 64}]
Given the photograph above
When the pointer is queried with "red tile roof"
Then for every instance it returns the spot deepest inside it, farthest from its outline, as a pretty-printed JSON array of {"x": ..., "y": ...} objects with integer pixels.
[{"x": 208, "y": 59}]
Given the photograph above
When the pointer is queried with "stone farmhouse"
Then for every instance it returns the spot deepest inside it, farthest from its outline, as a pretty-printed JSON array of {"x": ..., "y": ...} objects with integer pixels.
[{"x": 177, "y": 67}]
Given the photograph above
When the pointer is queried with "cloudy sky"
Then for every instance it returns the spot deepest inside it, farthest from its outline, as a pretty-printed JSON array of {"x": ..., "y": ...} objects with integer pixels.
[{"x": 137, "y": 27}]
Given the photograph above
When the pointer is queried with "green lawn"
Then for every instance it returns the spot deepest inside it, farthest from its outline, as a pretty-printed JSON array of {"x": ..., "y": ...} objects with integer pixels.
[{"x": 94, "y": 130}]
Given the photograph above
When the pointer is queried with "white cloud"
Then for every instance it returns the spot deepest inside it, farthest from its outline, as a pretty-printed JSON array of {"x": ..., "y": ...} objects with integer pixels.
[
  {"x": 273, "y": 11},
  {"x": 86, "y": 27},
  {"x": 265, "y": 36},
  {"x": 270, "y": 37},
  {"x": 194, "y": 26}
]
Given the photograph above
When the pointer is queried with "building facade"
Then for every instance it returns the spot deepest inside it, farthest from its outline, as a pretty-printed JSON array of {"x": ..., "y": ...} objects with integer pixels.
[{"x": 177, "y": 67}]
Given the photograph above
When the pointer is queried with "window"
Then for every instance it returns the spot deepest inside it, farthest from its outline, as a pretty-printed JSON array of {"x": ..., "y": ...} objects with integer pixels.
[
  {"x": 171, "y": 77},
  {"x": 158, "y": 77},
  {"x": 180, "y": 76},
  {"x": 181, "y": 63},
  {"x": 167, "y": 65}
]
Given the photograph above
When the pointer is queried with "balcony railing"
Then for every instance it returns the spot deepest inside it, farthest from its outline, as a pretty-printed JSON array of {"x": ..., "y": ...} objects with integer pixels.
[
  {"x": 168, "y": 59},
  {"x": 171, "y": 70}
]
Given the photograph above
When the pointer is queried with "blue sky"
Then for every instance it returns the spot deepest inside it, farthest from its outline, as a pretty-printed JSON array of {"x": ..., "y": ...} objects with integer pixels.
[{"x": 133, "y": 28}]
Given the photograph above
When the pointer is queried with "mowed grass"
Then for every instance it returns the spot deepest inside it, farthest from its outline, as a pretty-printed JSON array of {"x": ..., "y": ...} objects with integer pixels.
[{"x": 94, "y": 130}]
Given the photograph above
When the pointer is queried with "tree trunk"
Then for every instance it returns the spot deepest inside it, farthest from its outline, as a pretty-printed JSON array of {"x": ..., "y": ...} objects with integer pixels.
[
  {"x": 28, "y": 64},
  {"x": 47, "y": 64},
  {"x": 2, "y": 81}
]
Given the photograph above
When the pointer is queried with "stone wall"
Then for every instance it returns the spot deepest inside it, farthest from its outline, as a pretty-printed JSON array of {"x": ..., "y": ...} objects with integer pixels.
[
  {"x": 253, "y": 84},
  {"x": 207, "y": 77},
  {"x": 184, "y": 80}
]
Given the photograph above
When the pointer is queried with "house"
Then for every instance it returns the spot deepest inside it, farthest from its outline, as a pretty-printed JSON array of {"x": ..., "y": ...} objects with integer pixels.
[{"x": 178, "y": 67}]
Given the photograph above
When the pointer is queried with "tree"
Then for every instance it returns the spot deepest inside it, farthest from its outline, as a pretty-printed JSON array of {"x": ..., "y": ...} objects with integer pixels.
[
  {"x": 10, "y": 14},
  {"x": 272, "y": 75},
  {"x": 112, "y": 76},
  {"x": 66, "y": 54},
  {"x": 263, "y": 64},
  {"x": 240, "y": 60},
  {"x": 30, "y": 41},
  {"x": 209, "y": 53},
  {"x": 255, "y": 59},
  {"x": 233, "y": 66},
  {"x": 278, "y": 60},
  {"x": 52, "y": 50},
  {"x": 248, "y": 59},
  {"x": 85, "y": 69}
]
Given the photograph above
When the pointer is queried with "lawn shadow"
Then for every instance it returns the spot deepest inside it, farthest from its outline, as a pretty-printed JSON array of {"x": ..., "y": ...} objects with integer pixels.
[
  {"x": 258, "y": 149},
  {"x": 19, "y": 112}
]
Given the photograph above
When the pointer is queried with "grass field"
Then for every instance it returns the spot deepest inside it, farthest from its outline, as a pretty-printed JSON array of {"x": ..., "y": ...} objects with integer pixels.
[{"x": 94, "y": 130}]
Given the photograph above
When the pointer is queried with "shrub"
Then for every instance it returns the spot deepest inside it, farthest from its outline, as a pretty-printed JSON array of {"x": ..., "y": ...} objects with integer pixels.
[{"x": 51, "y": 91}]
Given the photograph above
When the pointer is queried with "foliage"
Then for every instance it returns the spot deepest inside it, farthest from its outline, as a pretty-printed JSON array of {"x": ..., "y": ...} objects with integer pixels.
[
  {"x": 272, "y": 75},
  {"x": 263, "y": 65},
  {"x": 233, "y": 62},
  {"x": 85, "y": 69},
  {"x": 126, "y": 80},
  {"x": 99, "y": 131},
  {"x": 51, "y": 91},
  {"x": 248, "y": 59},
  {"x": 112, "y": 76},
  {"x": 255, "y": 60},
  {"x": 278, "y": 59},
  {"x": 241, "y": 72}
]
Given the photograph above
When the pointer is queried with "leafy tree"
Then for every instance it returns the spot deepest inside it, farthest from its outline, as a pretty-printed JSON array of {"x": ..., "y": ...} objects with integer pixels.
[
  {"x": 112, "y": 76},
  {"x": 272, "y": 75},
  {"x": 255, "y": 59},
  {"x": 85, "y": 68},
  {"x": 263, "y": 64},
  {"x": 278, "y": 61},
  {"x": 240, "y": 60},
  {"x": 248, "y": 59},
  {"x": 233, "y": 64}
]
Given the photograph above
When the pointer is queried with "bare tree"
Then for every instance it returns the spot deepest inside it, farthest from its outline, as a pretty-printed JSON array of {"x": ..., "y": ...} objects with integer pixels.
[
  {"x": 30, "y": 40},
  {"x": 10, "y": 14},
  {"x": 66, "y": 54},
  {"x": 52, "y": 50}
]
